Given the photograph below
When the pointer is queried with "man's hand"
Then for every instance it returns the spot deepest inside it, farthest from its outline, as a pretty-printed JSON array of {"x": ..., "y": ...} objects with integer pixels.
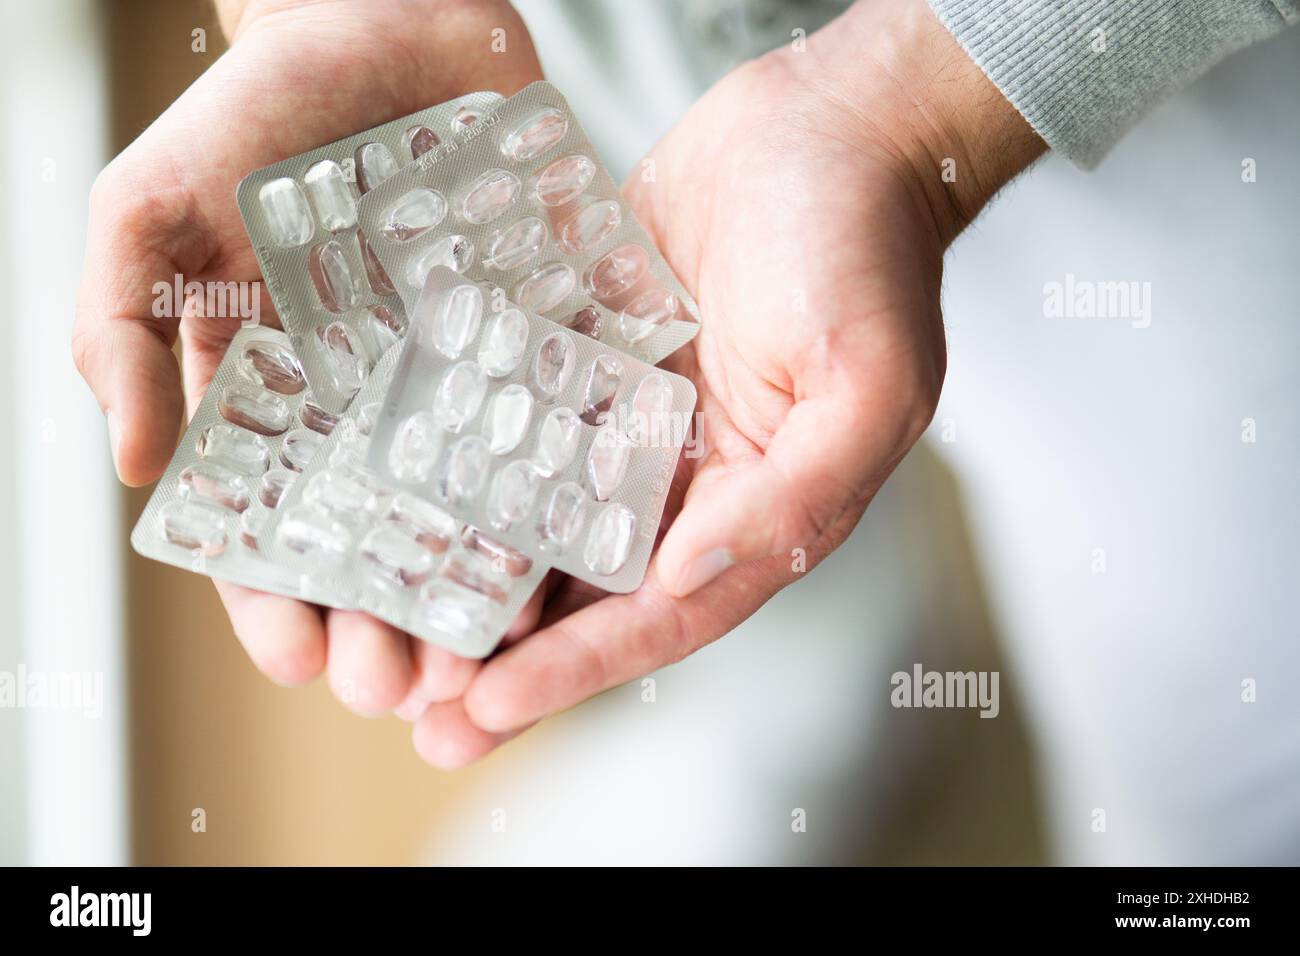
[
  {"x": 803, "y": 202},
  {"x": 299, "y": 74}
]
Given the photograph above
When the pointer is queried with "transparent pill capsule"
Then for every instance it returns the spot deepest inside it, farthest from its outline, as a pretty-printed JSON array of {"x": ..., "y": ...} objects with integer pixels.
[
  {"x": 273, "y": 366},
  {"x": 455, "y": 612},
  {"x": 345, "y": 355},
  {"x": 647, "y": 314},
  {"x": 477, "y": 573},
  {"x": 380, "y": 284},
  {"x": 557, "y": 442},
  {"x": 193, "y": 526},
  {"x": 299, "y": 447},
  {"x": 607, "y": 462},
  {"x": 546, "y": 288},
  {"x": 515, "y": 245},
  {"x": 338, "y": 493},
  {"x": 316, "y": 418},
  {"x": 464, "y": 471},
  {"x": 512, "y": 495},
  {"x": 589, "y": 226},
  {"x": 331, "y": 196},
  {"x": 274, "y": 484},
  {"x": 586, "y": 321},
  {"x": 564, "y": 180},
  {"x": 428, "y": 524},
  {"x": 651, "y": 407},
  {"x": 395, "y": 557},
  {"x": 251, "y": 525},
  {"x": 503, "y": 557},
  {"x": 454, "y": 252},
  {"x": 239, "y": 450},
  {"x": 309, "y": 531},
  {"x": 456, "y": 319},
  {"x": 465, "y": 117},
  {"x": 610, "y": 540},
  {"x": 255, "y": 409},
  {"x": 332, "y": 276},
  {"x": 504, "y": 341},
  {"x": 417, "y": 211},
  {"x": 419, "y": 140},
  {"x": 560, "y": 521},
  {"x": 553, "y": 365},
  {"x": 614, "y": 274},
  {"x": 287, "y": 215},
  {"x": 459, "y": 395},
  {"x": 603, "y": 380},
  {"x": 535, "y": 135},
  {"x": 382, "y": 329},
  {"x": 415, "y": 448},
  {"x": 507, "y": 419},
  {"x": 491, "y": 194},
  {"x": 374, "y": 163},
  {"x": 368, "y": 416},
  {"x": 214, "y": 484}
]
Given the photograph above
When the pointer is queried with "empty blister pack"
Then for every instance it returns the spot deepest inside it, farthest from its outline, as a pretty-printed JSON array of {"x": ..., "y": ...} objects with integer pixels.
[
  {"x": 334, "y": 299},
  {"x": 560, "y": 447},
  {"x": 357, "y": 541},
  {"x": 253, "y": 433},
  {"x": 521, "y": 201}
]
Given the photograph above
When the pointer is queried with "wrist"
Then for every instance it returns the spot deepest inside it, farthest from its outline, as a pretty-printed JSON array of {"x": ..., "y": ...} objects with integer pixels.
[{"x": 941, "y": 122}]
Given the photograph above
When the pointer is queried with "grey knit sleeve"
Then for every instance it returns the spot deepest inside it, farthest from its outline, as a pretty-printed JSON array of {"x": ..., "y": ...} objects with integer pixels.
[{"x": 1082, "y": 72}]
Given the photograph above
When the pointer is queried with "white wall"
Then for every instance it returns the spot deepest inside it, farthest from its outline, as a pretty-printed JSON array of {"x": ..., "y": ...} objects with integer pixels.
[{"x": 60, "y": 568}]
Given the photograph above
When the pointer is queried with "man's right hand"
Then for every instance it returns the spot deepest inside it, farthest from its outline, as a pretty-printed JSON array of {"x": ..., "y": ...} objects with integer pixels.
[{"x": 298, "y": 75}]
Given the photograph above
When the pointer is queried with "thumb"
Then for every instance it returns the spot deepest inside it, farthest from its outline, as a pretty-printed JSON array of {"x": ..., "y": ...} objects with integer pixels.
[
  {"x": 822, "y": 466},
  {"x": 121, "y": 348}
]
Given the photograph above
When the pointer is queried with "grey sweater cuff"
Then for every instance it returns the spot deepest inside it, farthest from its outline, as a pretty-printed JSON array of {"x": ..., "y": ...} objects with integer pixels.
[{"x": 1082, "y": 72}]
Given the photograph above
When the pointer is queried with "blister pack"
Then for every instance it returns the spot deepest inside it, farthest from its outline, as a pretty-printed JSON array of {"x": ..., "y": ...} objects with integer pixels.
[
  {"x": 334, "y": 299},
  {"x": 522, "y": 201},
  {"x": 560, "y": 447},
  {"x": 255, "y": 430},
  {"x": 357, "y": 541}
]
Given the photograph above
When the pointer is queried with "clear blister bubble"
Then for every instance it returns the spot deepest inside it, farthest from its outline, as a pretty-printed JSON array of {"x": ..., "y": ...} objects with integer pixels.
[
  {"x": 286, "y": 213},
  {"x": 504, "y": 341},
  {"x": 553, "y": 366},
  {"x": 459, "y": 395},
  {"x": 610, "y": 539},
  {"x": 235, "y": 448},
  {"x": 546, "y": 288},
  {"x": 507, "y": 418},
  {"x": 214, "y": 484},
  {"x": 331, "y": 196}
]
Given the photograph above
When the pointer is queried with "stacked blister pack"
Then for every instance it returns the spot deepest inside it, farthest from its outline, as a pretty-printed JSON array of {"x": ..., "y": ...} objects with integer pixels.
[{"x": 464, "y": 394}]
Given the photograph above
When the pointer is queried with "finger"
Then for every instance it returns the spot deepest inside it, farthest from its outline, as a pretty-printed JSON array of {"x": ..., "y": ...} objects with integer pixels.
[
  {"x": 610, "y": 642},
  {"x": 439, "y": 675},
  {"x": 122, "y": 349},
  {"x": 369, "y": 663},
  {"x": 829, "y": 456},
  {"x": 445, "y": 737},
  {"x": 525, "y": 621},
  {"x": 284, "y": 638}
]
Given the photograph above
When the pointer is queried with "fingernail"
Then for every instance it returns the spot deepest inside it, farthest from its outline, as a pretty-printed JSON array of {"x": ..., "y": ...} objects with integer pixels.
[{"x": 700, "y": 571}]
